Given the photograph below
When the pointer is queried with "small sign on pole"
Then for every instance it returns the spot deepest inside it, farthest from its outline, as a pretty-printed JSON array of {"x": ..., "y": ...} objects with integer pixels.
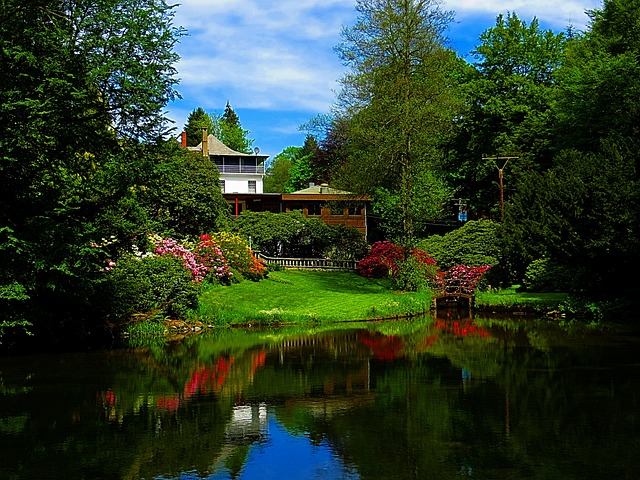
[{"x": 462, "y": 209}]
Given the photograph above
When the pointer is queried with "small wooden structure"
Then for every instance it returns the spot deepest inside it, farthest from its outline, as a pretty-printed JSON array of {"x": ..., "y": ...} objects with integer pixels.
[{"x": 454, "y": 295}]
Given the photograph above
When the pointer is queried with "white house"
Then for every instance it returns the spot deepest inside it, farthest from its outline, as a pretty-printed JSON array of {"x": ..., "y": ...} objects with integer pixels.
[{"x": 239, "y": 172}]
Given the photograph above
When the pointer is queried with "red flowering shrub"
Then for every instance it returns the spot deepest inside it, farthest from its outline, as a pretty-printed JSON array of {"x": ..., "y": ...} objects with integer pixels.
[
  {"x": 382, "y": 261},
  {"x": 388, "y": 260}
]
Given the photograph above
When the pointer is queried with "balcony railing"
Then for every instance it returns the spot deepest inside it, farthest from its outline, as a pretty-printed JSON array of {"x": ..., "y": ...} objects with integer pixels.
[{"x": 241, "y": 169}]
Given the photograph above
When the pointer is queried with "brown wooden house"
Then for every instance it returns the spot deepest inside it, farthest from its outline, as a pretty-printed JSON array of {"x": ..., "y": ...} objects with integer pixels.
[{"x": 330, "y": 205}]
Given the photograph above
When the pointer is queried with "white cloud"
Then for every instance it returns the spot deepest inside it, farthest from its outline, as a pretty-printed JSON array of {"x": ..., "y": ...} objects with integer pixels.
[
  {"x": 556, "y": 14},
  {"x": 263, "y": 54}
]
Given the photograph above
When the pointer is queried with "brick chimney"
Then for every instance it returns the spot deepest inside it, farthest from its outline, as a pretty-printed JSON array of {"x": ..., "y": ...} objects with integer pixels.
[
  {"x": 205, "y": 142},
  {"x": 183, "y": 139}
]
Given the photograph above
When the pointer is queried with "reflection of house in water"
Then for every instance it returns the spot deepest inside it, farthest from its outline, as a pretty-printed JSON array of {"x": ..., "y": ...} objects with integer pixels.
[
  {"x": 331, "y": 391},
  {"x": 248, "y": 423}
]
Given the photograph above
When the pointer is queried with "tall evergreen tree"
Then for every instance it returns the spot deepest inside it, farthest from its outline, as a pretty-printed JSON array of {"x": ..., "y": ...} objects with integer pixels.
[
  {"x": 582, "y": 212},
  {"x": 198, "y": 119},
  {"x": 232, "y": 133}
]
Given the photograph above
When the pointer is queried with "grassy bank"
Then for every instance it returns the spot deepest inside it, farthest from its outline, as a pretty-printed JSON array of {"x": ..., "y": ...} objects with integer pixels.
[
  {"x": 512, "y": 301},
  {"x": 294, "y": 296},
  {"x": 310, "y": 298}
]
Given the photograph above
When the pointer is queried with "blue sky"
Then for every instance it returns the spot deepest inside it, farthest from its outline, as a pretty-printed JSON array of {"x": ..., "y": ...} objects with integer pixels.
[{"x": 274, "y": 59}]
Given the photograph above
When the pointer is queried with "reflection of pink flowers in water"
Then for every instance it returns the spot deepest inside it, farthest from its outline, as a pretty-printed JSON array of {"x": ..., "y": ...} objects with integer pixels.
[
  {"x": 203, "y": 380},
  {"x": 462, "y": 329},
  {"x": 208, "y": 379},
  {"x": 384, "y": 347},
  {"x": 465, "y": 328},
  {"x": 108, "y": 397},
  {"x": 168, "y": 402}
]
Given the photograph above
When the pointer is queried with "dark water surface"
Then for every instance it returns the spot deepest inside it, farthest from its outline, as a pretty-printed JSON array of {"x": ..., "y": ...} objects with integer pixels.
[{"x": 428, "y": 399}]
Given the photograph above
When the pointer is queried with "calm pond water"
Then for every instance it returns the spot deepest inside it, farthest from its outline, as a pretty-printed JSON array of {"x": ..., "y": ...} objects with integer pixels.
[{"x": 427, "y": 399}]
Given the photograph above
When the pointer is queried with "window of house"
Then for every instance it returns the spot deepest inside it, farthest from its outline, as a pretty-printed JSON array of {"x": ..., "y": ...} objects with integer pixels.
[
  {"x": 252, "y": 186},
  {"x": 357, "y": 210},
  {"x": 222, "y": 185},
  {"x": 314, "y": 209}
]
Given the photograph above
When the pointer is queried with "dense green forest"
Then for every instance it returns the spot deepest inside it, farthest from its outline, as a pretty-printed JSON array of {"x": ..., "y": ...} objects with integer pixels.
[{"x": 89, "y": 168}]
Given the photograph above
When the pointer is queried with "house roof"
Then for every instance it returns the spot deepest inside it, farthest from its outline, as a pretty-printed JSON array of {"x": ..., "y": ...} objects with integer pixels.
[
  {"x": 323, "y": 193},
  {"x": 217, "y": 148},
  {"x": 321, "y": 190}
]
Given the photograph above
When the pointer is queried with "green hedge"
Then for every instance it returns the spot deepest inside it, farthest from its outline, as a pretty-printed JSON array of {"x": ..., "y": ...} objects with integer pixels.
[
  {"x": 474, "y": 244},
  {"x": 155, "y": 286}
]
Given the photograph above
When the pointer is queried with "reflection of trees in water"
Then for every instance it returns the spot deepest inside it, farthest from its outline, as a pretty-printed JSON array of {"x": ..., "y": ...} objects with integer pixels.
[{"x": 459, "y": 396}]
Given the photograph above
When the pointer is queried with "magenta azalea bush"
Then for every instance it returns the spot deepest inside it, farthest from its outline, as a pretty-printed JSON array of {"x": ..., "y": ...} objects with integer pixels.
[
  {"x": 462, "y": 278},
  {"x": 407, "y": 272},
  {"x": 210, "y": 255},
  {"x": 168, "y": 246},
  {"x": 382, "y": 261}
]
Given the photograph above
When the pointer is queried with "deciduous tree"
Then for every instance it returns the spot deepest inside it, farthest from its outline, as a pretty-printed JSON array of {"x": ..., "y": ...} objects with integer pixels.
[
  {"x": 81, "y": 80},
  {"x": 600, "y": 79},
  {"x": 397, "y": 96},
  {"x": 508, "y": 96},
  {"x": 277, "y": 173}
]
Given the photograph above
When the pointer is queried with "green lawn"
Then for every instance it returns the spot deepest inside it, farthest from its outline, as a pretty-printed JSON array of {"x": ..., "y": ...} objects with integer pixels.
[
  {"x": 294, "y": 296},
  {"x": 512, "y": 300}
]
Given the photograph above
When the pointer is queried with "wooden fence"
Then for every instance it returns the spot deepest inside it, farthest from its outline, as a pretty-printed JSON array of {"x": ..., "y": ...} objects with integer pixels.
[{"x": 310, "y": 263}]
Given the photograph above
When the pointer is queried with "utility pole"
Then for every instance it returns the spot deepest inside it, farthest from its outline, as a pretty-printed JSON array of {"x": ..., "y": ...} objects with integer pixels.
[{"x": 500, "y": 169}]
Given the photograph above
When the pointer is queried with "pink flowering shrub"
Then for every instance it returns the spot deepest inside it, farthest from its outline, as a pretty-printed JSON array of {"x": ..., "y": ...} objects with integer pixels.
[
  {"x": 205, "y": 261},
  {"x": 208, "y": 254},
  {"x": 461, "y": 278},
  {"x": 168, "y": 246}
]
